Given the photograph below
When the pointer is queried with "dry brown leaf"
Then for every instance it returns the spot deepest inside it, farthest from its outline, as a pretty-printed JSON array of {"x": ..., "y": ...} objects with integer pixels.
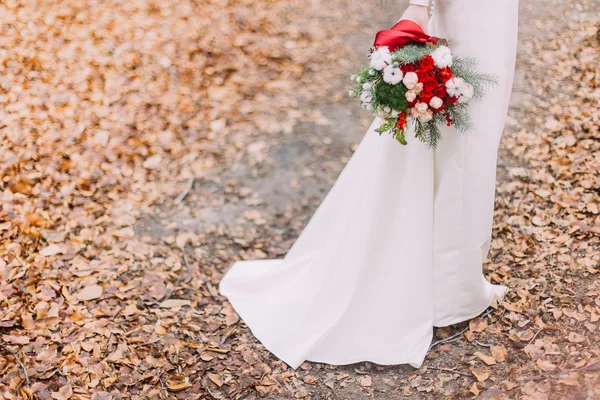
[
  {"x": 474, "y": 389},
  {"x": 485, "y": 358},
  {"x": 499, "y": 353},
  {"x": 365, "y": 381},
  {"x": 478, "y": 325},
  {"x": 91, "y": 292},
  {"x": 215, "y": 378},
  {"x": 482, "y": 374},
  {"x": 545, "y": 365}
]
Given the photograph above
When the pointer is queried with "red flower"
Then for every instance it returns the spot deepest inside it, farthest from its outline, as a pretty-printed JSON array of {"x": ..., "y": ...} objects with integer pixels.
[
  {"x": 445, "y": 74},
  {"x": 408, "y": 68},
  {"x": 425, "y": 97},
  {"x": 402, "y": 120},
  {"x": 440, "y": 91},
  {"x": 411, "y": 104},
  {"x": 426, "y": 63},
  {"x": 452, "y": 100},
  {"x": 430, "y": 86},
  {"x": 426, "y": 77}
]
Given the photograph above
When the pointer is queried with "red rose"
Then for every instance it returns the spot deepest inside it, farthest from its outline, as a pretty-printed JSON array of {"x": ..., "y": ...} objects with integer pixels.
[
  {"x": 425, "y": 97},
  {"x": 411, "y": 104},
  {"x": 446, "y": 74},
  {"x": 429, "y": 86},
  {"x": 426, "y": 77},
  {"x": 426, "y": 63},
  {"x": 440, "y": 91},
  {"x": 408, "y": 68}
]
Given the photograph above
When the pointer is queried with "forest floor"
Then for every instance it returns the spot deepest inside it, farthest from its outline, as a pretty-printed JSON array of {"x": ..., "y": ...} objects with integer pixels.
[{"x": 144, "y": 150}]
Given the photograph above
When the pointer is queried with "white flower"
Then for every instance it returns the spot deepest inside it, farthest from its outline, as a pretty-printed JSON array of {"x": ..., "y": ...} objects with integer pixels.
[
  {"x": 411, "y": 95},
  {"x": 352, "y": 93},
  {"x": 358, "y": 80},
  {"x": 353, "y": 78},
  {"x": 366, "y": 97},
  {"x": 426, "y": 116},
  {"x": 372, "y": 72},
  {"x": 392, "y": 75},
  {"x": 436, "y": 102},
  {"x": 467, "y": 93},
  {"x": 442, "y": 56},
  {"x": 387, "y": 109},
  {"x": 418, "y": 88},
  {"x": 410, "y": 79},
  {"x": 394, "y": 113},
  {"x": 381, "y": 58},
  {"x": 367, "y": 86},
  {"x": 421, "y": 107},
  {"x": 369, "y": 107},
  {"x": 454, "y": 86}
]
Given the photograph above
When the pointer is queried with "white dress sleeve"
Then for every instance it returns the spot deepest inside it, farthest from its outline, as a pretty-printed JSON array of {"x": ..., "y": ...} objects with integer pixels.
[{"x": 420, "y": 2}]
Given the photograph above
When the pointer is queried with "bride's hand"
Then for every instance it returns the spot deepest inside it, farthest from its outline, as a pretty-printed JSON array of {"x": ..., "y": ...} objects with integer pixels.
[{"x": 417, "y": 14}]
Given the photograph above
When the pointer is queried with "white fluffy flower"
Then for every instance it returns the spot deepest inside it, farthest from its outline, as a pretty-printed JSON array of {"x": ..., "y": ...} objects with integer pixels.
[
  {"x": 369, "y": 107},
  {"x": 392, "y": 75},
  {"x": 358, "y": 80},
  {"x": 454, "y": 86},
  {"x": 442, "y": 56},
  {"x": 418, "y": 87},
  {"x": 367, "y": 86},
  {"x": 366, "y": 97},
  {"x": 467, "y": 93},
  {"x": 411, "y": 95},
  {"x": 436, "y": 102},
  {"x": 381, "y": 58},
  {"x": 387, "y": 109},
  {"x": 410, "y": 80}
]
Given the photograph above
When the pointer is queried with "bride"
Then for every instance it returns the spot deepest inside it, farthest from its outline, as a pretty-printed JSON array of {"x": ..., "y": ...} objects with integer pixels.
[{"x": 396, "y": 247}]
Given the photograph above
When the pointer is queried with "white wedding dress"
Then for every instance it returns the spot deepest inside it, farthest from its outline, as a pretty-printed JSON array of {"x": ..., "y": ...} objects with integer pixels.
[{"x": 397, "y": 245}]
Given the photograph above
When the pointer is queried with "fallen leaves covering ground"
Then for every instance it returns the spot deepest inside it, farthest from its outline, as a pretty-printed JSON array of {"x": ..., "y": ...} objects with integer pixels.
[{"x": 117, "y": 123}]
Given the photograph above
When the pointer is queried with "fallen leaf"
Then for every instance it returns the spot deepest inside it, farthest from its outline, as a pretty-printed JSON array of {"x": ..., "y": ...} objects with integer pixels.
[
  {"x": 365, "y": 381},
  {"x": 485, "y": 358},
  {"x": 499, "y": 353},
  {"x": 91, "y": 292},
  {"x": 216, "y": 379},
  {"x": 478, "y": 325},
  {"x": 482, "y": 374}
]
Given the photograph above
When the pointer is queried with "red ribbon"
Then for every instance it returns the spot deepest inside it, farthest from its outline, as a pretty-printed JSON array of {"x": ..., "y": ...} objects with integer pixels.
[{"x": 401, "y": 34}]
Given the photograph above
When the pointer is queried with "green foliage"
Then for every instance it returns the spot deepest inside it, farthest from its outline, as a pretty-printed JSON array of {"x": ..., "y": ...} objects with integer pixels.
[
  {"x": 387, "y": 125},
  {"x": 411, "y": 53},
  {"x": 399, "y": 136},
  {"x": 466, "y": 68},
  {"x": 393, "y": 96},
  {"x": 390, "y": 125},
  {"x": 433, "y": 134},
  {"x": 460, "y": 117}
]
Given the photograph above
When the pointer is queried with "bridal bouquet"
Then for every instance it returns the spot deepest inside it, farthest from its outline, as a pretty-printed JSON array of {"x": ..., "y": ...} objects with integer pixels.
[{"x": 415, "y": 78}]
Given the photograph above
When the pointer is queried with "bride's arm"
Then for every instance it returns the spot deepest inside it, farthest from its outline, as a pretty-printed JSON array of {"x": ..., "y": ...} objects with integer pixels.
[{"x": 417, "y": 12}]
